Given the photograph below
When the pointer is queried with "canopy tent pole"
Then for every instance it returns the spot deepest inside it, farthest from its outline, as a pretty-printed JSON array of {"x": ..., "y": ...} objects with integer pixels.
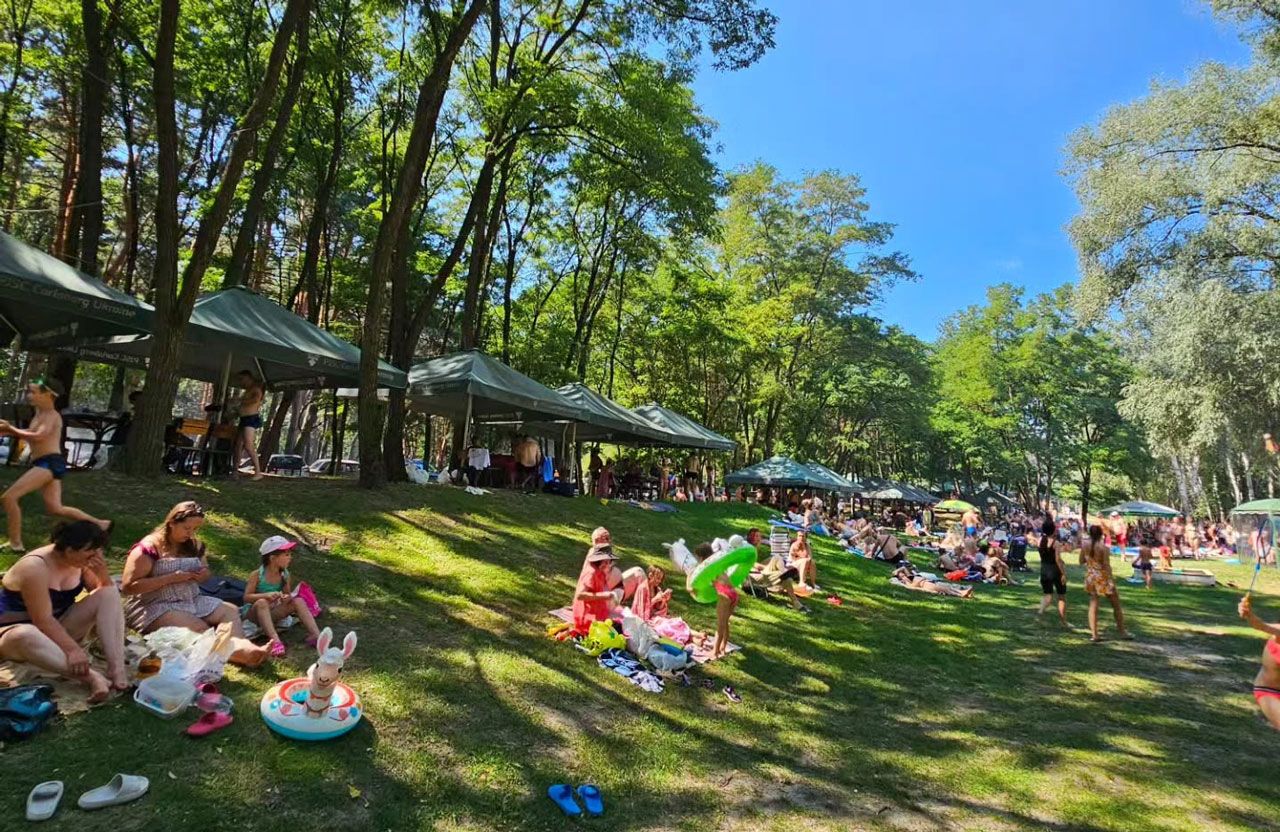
[
  {"x": 466, "y": 424},
  {"x": 335, "y": 451},
  {"x": 570, "y": 446}
]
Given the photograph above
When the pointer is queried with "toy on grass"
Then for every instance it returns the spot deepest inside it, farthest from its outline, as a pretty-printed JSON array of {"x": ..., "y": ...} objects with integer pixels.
[
  {"x": 732, "y": 558},
  {"x": 316, "y": 706}
]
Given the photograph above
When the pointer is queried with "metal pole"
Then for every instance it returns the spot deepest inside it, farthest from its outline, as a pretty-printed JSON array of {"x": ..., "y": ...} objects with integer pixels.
[{"x": 466, "y": 425}]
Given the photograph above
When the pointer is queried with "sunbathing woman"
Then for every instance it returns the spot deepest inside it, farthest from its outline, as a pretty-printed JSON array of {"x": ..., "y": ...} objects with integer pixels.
[
  {"x": 41, "y": 621},
  {"x": 1098, "y": 581},
  {"x": 801, "y": 557},
  {"x": 910, "y": 579},
  {"x": 1266, "y": 685}
]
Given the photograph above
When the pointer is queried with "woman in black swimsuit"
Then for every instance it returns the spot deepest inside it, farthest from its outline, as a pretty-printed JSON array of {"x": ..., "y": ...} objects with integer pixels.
[
  {"x": 41, "y": 621},
  {"x": 1053, "y": 572}
]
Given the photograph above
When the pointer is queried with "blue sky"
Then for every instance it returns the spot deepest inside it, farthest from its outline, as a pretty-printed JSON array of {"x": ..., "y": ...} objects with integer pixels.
[{"x": 955, "y": 116}]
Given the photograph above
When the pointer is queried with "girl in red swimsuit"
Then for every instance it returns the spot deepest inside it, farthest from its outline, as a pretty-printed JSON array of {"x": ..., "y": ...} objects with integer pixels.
[{"x": 1266, "y": 685}]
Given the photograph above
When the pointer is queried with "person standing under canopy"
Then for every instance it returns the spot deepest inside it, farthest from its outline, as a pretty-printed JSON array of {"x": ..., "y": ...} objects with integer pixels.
[
  {"x": 528, "y": 454},
  {"x": 48, "y": 465},
  {"x": 250, "y": 422}
]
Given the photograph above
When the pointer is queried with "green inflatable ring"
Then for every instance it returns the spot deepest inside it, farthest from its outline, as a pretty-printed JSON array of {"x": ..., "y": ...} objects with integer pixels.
[{"x": 734, "y": 564}]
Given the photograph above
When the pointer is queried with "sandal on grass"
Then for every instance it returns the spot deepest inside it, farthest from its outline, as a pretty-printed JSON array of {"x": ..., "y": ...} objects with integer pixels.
[
  {"x": 592, "y": 799},
  {"x": 562, "y": 796},
  {"x": 44, "y": 799},
  {"x": 122, "y": 788}
]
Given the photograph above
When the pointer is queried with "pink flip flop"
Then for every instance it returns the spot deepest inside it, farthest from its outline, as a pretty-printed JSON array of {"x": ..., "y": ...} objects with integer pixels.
[
  {"x": 276, "y": 648},
  {"x": 209, "y": 723}
]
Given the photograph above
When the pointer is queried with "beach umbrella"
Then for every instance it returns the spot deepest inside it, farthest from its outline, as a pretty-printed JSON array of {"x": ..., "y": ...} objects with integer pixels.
[{"x": 955, "y": 505}]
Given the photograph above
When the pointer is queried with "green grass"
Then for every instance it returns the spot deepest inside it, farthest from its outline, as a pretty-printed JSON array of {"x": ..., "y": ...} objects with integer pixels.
[{"x": 897, "y": 711}]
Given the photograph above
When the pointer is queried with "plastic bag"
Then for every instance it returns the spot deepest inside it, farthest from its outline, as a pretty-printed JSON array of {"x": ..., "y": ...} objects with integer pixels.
[
  {"x": 640, "y": 636},
  {"x": 666, "y": 660}
]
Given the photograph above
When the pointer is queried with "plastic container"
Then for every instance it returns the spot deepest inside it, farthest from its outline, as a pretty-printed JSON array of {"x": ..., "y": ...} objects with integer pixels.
[{"x": 164, "y": 695}]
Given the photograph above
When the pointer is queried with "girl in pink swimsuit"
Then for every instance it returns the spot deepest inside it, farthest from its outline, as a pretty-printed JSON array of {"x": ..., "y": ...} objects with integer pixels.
[{"x": 725, "y": 604}]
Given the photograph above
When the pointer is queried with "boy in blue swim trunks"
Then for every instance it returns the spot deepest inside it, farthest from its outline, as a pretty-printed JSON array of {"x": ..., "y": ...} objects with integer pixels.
[{"x": 48, "y": 465}]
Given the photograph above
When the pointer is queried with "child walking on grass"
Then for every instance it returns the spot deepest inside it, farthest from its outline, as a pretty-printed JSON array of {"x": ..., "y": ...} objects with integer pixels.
[
  {"x": 726, "y": 603},
  {"x": 268, "y": 594}
]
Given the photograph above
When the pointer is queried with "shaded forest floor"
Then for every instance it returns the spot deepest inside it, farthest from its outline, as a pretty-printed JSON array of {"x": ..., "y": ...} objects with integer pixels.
[{"x": 897, "y": 710}]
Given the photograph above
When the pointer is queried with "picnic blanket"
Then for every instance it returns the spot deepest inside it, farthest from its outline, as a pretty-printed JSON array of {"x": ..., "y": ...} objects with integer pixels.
[{"x": 702, "y": 643}]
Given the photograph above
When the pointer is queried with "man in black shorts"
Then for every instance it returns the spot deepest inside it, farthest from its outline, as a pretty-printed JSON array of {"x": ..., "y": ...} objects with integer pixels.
[{"x": 250, "y": 422}]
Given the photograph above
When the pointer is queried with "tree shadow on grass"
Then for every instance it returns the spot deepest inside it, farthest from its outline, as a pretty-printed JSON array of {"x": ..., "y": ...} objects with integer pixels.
[{"x": 895, "y": 711}]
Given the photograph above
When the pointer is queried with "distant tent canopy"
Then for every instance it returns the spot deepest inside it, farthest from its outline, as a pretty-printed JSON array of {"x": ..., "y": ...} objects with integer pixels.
[
  {"x": 692, "y": 434},
  {"x": 239, "y": 330},
  {"x": 837, "y": 482},
  {"x": 1271, "y": 506},
  {"x": 603, "y": 420},
  {"x": 780, "y": 472},
  {"x": 473, "y": 384},
  {"x": 874, "y": 488},
  {"x": 904, "y": 492},
  {"x": 1140, "y": 508},
  {"x": 48, "y": 303},
  {"x": 990, "y": 497}
]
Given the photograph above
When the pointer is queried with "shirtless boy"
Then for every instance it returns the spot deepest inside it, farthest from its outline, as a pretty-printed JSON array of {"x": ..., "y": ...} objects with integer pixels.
[
  {"x": 48, "y": 465},
  {"x": 250, "y": 422},
  {"x": 1266, "y": 685}
]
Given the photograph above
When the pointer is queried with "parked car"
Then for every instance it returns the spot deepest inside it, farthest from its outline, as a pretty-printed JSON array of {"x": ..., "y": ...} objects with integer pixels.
[
  {"x": 346, "y": 468},
  {"x": 290, "y": 464}
]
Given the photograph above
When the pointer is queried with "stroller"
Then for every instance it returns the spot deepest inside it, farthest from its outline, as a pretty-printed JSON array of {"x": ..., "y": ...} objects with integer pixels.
[{"x": 1017, "y": 557}]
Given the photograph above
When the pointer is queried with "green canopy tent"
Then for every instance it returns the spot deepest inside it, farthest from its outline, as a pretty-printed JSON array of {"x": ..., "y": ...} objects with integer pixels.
[
  {"x": 692, "y": 434},
  {"x": 1256, "y": 524},
  {"x": 237, "y": 329},
  {"x": 46, "y": 302},
  {"x": 1140, "y": 508},
  {"x": 902, "y": 491},
  {"x": 990, "y": 497},
  {"x": 603, "y": 420},
  {"x": 778, "y": 472},
  {"x": 472, "y": 386},
  {"x": 836, "y": 482}
]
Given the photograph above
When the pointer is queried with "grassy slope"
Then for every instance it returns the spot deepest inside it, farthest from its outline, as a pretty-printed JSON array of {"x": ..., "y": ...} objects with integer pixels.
[{"x": 898, "y": 710}]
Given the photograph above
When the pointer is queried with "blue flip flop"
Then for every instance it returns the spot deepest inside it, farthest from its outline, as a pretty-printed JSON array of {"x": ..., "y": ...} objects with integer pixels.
[
  {"x": 592, "y": 798},
  {"x": 562, "y": 796}
]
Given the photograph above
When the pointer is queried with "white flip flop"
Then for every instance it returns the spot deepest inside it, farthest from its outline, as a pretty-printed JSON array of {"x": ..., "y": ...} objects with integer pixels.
[
  {"x": 121, "y": 789},
  {"x": 44, "y": 799}
]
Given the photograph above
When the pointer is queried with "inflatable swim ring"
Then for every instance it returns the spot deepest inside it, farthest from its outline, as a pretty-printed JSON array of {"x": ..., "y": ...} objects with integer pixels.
[
  {"x": 734, "y": 564},
  {"x": 284, "y": 709}
]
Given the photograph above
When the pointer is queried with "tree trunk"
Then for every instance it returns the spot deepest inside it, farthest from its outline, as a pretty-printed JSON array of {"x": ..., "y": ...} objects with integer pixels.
[
  {"x": 386, "y": 248},
  {"x": 1232, "y": 479},
  {"x": 303, "y": 434},
  {"x": 174, "y": 300},
  {"x": 1086, "y": 481},
  {"x": 20, "y": 17},
  {"x": 146, "y": 440},
  {"x": 242, "y": 252},
  {"x": 270, "y": 443}
]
